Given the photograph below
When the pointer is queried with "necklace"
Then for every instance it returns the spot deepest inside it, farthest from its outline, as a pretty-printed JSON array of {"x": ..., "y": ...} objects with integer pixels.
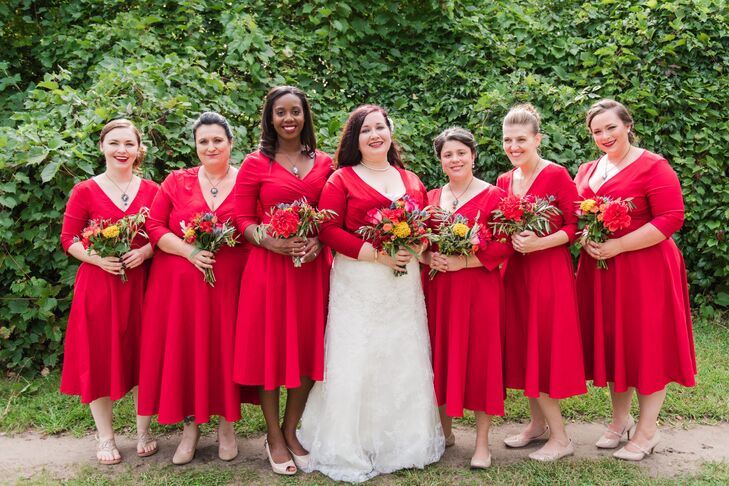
[
  {"x": 615, "y": 166},
  {"x": 124, "y": 195},
  {"x": 375, "y": 169},
  {"x": 214, "y": 187},
  {"x": 456, "y": 198},
  {"x": 531, "y": 177},
  {"x": 294, "y": 168}
]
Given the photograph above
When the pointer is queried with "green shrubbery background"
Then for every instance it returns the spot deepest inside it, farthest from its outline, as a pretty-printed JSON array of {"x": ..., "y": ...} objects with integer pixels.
[{"x": 67, "y": 67}]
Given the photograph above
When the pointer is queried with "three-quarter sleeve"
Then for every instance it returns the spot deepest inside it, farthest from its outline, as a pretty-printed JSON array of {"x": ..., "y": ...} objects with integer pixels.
[
  {"x": 567, "y": 198},
  {"x": 332, "y": 232},
  {"x": 247, "y": 188},
  {"x": 159, "y": 214},
  {"x": 665, "y": 199},
  {"x": 75, "y": 217}
]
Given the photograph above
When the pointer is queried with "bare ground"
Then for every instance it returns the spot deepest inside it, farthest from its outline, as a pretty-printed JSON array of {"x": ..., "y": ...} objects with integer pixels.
[{"x": 681, "y": 451}]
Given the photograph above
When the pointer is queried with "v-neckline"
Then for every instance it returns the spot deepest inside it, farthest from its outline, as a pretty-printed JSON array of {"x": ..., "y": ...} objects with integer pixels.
[
  {"x": 300, "y": 179},
  {"x": 606, "y": 181},
  {"x": 202, "y": 194},
  {"x": 440, "y": 195},
  {"x": 377, "y": 191},
  {"x": 131, "y": 201},
  {"x": 534, "y": 181}
]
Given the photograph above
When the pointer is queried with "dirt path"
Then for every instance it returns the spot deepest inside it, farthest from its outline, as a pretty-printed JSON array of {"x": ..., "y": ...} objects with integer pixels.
[{"x": 682, "y": 451}]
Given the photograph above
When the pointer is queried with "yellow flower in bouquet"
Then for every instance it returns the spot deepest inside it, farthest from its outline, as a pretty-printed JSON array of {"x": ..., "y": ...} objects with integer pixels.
[
  {"x": 587, "y": 205},
  {"x": 110, "y": 231},
  {"x": 460, "y": 229},
  {"x": 401, "y": 230}
]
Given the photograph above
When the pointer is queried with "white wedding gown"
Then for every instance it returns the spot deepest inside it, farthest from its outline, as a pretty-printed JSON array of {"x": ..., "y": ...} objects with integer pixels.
[{"x": 375, "y": 411}]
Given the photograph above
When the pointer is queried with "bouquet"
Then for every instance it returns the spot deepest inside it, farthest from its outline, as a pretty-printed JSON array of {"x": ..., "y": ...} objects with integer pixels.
[
  {"x": 515, "y": 214},
  {"x": 298, "y": 218},
  {"x": 104, "y": 238},
  {"x": 602, "y": 216},
  {"x": 456, "y": 235},
  {"x": 400, "y": 225},
  {"x": 207, "y": 233}
]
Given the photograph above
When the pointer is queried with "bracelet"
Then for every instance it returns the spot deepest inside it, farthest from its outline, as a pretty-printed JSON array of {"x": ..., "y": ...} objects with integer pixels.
[
  {"x": 193, "y": 253},
  {"x": 377, "y": 253}
]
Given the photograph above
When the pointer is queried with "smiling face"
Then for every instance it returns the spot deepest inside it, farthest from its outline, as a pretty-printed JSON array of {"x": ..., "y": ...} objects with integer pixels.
[
  {"x": 374, "y": 137},
  {"x": 610, "y": 133},
  {"x": 288, "y": 117},
  {"x": 212, "y": 145},
  {"x": 520, "y": 144},
  {"x": 457, "y": 159},
  {"x": 120, "y": 148}
]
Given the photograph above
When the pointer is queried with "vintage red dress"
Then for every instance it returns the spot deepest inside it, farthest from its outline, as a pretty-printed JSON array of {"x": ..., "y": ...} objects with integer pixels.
[
  {"x": 543, "y": 352},
  {"x": 466, "y": 321},
  {"x": 101, "y": 351},
  {"x": 635, "y": 315},
  {"x": 283, "y": 309},
  {"x": 188, "y": 326}
]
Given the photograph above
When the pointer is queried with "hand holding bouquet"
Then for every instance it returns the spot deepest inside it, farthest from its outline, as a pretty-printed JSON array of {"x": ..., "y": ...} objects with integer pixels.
[
  {"x": 107, "y": 239},
  {"x": 456, "y": 235},
  {"x": 207, "y": 233},
  {"x": 601, "y": 216},
  {"x": 297, "y": 219},
  {"x": 400, "y": 225},
  {"x": 515, "y": 214}
]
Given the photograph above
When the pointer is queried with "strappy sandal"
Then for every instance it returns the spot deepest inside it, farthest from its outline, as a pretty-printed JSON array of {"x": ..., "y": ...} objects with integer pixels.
[
  {"x": 143, "y": 441},
  {"x": 105, "y": 447}
]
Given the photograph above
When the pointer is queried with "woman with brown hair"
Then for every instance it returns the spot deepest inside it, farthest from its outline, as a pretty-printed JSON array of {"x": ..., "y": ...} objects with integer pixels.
[{"x": 101, "y": 351}]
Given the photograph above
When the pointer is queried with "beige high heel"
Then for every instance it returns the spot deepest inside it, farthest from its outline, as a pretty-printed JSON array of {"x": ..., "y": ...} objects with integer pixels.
[
  {"x": 227, "y": 453},
  {"x": 519, "y": 440},
  {"x": 553, "y": 456},
  {"x": 281, "y": 468},
  {"x": 182, "y": 457},
  {"x": 627, "y": 455},
  {"x": 480, "y": 463},
  {"x": 611, "y": 439}
]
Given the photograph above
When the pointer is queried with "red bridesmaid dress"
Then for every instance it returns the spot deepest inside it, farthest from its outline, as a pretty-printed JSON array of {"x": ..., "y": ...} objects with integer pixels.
[
  {"x": 283, "y": 309},
  {"x": 635, "y": 315},
  {"x": 101, "y": 352},
  {"x": 188, "y": 326},
  {"x": 543, "y": 352},
  {"x": 466, "y": 321}
]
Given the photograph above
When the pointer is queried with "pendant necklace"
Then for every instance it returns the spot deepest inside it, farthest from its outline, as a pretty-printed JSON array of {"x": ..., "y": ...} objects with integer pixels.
[
  {"x": 375, "y": 169},
  {"x": 456, "y": 198},
  {"x": 531, "y": 177},
  {"x": 614, "y": 166},
  {"x": 124, "y": 195},
  {"x": 214, "y": 187},
  {"x": 294, "y": 168}
]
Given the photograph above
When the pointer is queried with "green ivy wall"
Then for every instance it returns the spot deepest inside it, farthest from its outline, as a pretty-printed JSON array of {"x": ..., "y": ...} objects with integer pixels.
[{"x": 67, "y": 67}]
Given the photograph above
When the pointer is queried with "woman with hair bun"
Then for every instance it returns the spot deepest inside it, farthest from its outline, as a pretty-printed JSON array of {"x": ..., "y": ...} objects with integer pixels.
[
  {"x": 543, "y": 352},
  {"x": 636, "y": 319},
  {"x": 101, "y": 351},
  {"x": 375, "y": 411},
  {"x": 189, "y": 325},
  {"x": 465, "y": 300},
  {"x": 281, "y": 318}
]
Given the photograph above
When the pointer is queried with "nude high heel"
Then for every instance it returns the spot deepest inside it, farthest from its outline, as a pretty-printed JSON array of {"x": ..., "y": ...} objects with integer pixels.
[
  {"x": 627, "y": 455},
  {"x": 519, "y": 440},
  {"x": 280, "y": 468},
  {"x": 611, "y": 439}
]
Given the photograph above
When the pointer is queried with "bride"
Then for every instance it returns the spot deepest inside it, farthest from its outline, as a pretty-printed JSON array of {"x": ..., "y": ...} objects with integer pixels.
[{"x": 375, "y": 411}]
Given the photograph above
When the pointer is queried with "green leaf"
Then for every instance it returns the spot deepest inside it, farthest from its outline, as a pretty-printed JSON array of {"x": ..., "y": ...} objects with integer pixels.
[{"x": 49, "y": 171}]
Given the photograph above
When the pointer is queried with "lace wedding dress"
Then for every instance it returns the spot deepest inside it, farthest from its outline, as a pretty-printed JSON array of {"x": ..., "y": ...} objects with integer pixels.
[{"x": 375, "y": 411}]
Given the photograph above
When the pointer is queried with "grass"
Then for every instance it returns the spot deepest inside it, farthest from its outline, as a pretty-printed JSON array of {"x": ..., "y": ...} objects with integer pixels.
[
  {"x": 586, "y": 471},
  {"x": 36, "y": 404}
]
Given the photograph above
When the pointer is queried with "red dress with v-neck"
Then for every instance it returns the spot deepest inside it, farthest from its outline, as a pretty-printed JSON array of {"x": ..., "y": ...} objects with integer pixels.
[
  {"x": 466, "y": 321},
  {"x": 635, "y": 315},
  {"x": 188, "y": 326},
  {"x": 101, "y": 352},
  {"x": 543, "y": 352},
  {"x": 283, "y": 309}
]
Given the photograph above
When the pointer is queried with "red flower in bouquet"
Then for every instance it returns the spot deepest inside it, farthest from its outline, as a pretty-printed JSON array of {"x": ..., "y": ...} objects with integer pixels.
[
  {"x": 298, "y": 218},
  {"x": 512, "y": 207},
  {"x": 601, "y": 216}
]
